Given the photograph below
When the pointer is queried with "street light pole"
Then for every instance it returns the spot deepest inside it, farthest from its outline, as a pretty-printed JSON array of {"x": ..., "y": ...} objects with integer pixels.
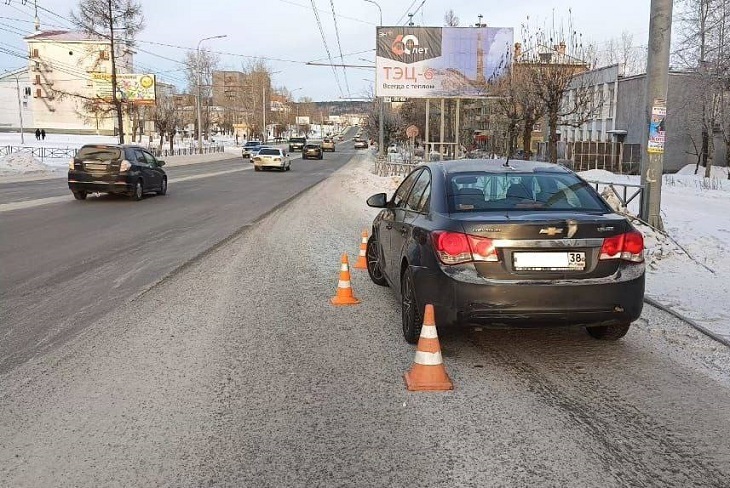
[
  {"x": 199, "y": 97},
  {"x": 20, "y": 109},
  {"x": 381, "y": 116}
]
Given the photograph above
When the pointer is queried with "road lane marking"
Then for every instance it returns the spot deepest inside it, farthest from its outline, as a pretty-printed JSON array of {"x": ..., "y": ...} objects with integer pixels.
[{"x": 39, "y": 202}]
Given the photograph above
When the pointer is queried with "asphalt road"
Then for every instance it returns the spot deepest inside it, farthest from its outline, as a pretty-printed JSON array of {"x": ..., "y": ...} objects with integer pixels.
[
  {"x": 65, "y": 263},
  {"x": 237, "y": 371}
]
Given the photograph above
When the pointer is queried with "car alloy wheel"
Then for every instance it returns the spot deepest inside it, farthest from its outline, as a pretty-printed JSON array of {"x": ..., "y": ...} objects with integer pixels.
[
  {"x": 411, "y": 315},
  {"x": 373, "y": 259},
  {"x": 163, "y": 187},
  {"x": 138, "y": 191}
]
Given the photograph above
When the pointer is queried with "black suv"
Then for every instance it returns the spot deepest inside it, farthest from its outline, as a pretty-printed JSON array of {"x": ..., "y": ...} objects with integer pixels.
[
  {"x": 297, "y": 143},
  {"x": 116, "y": 168}
]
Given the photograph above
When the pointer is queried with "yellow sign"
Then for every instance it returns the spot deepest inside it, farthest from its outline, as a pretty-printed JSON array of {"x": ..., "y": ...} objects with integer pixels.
[{"x": 131, "y": 88}]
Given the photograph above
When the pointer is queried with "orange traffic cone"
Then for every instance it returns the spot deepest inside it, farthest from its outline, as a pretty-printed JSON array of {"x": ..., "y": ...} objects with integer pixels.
[
  {"x": 428, "y": 372},
  {"x": 362, "y": 260},
  {"x": 344, "y": 290}
]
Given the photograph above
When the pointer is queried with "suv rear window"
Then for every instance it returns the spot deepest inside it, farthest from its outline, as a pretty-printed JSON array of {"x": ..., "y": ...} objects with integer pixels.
[
  {"x": 252, "y": 144},
  {"x": 99, "y": 153},
  {"x": 269, "y": 152},
  {"x": 297, "y": 139},
  {"x": 482, "y": 191}
]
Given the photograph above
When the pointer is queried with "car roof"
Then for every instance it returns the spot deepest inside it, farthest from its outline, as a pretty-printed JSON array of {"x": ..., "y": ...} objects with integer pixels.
[
  {"x": 115, "y": 146},
  {"x": 496, "y": 166}
]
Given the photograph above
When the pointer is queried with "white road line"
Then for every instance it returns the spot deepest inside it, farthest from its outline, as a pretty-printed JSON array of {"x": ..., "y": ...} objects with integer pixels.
[{"x": 38, "y": 202}]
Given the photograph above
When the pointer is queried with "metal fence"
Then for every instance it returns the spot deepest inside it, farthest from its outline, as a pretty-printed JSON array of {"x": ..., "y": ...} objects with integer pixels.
[
  {"x": 185, "y": 151},
  {"x": 615, "y": 157},
  {"x": 43, "y": 153},
  {"x": 40, "y": 152}
]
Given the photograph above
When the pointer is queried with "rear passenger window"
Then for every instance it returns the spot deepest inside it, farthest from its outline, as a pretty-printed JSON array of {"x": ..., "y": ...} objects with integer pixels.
[{"x": 139, "y": 157}]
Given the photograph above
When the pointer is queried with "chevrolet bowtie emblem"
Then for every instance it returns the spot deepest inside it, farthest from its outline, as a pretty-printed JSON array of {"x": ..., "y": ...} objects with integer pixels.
[{"x": 551, "y": 231}]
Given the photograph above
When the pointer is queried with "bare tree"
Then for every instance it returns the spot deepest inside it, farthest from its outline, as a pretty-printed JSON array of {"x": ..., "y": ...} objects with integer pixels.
[
  {"x": 703, "y": 46},
  {"x": 199, "y": 67},
  {"x": 450, "y": 19},
  {"x": 548, "y": 61},
  {"x": 102, "y": 18},
  {"x": 167, "y": 118},
  {"x": 621, "y": 50}
]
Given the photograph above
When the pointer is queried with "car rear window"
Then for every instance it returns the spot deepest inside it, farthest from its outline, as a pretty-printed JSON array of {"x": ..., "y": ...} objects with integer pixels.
[
  {"x": 311, "y": 146},
  {"x": 297, "y": 139},
  {"x": 482, "y": 191},
  {"x": 99, "y": 153},
  {"x": 252, "y": 144},
  {"x": 269, "y": 152}
]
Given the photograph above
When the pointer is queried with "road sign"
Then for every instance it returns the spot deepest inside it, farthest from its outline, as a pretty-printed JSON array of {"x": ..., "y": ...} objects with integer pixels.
[{"x": 412, "y": 131}]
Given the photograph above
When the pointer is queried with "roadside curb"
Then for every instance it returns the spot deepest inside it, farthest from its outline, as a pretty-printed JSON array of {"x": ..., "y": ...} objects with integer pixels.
[{"x": 712, "y": 335}]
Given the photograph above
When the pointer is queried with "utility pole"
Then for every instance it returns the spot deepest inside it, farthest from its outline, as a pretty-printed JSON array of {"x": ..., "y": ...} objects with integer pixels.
[
  {"x": 381, "y": 108},
  {"x": 113, "y": 57},
  {"x": 657, "y": 85},
  {"x": 263, "y": 98},
  {"x": 198, "y": 70}
]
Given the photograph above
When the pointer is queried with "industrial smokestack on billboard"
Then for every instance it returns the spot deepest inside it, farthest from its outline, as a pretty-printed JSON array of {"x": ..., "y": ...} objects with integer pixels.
[{"x": 440, "y": 62}]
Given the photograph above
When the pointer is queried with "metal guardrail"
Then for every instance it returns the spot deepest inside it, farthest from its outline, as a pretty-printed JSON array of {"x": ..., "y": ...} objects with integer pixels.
[{"x": 637, "y": 191}]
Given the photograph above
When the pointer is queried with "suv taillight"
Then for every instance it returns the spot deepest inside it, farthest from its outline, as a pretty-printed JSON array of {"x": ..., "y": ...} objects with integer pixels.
[
  {"x": 458, "y": 248},
  {"x": 628, "y": 247}
]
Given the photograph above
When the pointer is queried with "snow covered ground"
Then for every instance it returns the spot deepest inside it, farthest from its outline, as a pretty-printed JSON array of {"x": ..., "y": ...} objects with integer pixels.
[{"x": 688, "y": 269}]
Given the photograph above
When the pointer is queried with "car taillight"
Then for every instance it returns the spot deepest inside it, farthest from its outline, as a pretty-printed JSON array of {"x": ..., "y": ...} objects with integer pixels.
[
  {"x": 628, "y": 247},
  {"x": 71, "y": 164},
  {"x": 458, "y": 248},
  {"x": 125, "y": 166}
]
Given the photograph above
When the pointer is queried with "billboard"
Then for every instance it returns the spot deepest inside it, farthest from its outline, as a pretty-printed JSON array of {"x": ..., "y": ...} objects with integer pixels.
[
  {"x": 440, "y": 62},
  {"x": 302, "y": 120},
  {"x": 132, "y": 88}
]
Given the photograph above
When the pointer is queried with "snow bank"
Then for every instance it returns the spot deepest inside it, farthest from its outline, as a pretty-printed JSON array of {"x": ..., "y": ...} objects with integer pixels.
[
  {"x": 715, "y": 171},
  {"x": 22, "y": 162}
]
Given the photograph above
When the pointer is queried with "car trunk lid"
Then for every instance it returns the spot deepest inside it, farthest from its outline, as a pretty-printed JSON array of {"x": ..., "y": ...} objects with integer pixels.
[{"x": 545, "y": 245}]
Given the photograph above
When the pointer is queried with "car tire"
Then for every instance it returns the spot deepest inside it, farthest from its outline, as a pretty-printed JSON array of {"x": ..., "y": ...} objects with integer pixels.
[
  {"x": 411, "y": 316},
  {"x": 375, "y": 270},
  {"x": 138, "y": 192},
  {"x": 320, "y": 157},
  {"x": 288, "y": 168},
  {"x": 256, "y": 168},
  {"x": 80, "y": 195},
  {"x": 163, "y": 188},
  {"x": 608, "y": 332}
]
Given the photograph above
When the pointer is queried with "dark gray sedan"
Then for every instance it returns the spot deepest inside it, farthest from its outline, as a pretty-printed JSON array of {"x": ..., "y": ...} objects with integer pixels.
[{"x": 507, "y": 244}]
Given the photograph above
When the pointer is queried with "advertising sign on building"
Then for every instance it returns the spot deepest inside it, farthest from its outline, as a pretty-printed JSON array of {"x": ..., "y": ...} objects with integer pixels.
[
  {"x": 138, "y": 89},
  {"x": 657, "y": 132},
  {"x": 440, "y": 62},
  {"x": 302, "y": 120}
]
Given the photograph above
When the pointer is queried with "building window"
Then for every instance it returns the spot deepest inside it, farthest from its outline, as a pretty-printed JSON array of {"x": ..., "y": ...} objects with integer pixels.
[
  {"x": 37, "y": 80},
  {"x": 103, "y": 54},
  {"x": 38, "y": 93},
  {"x": 34, "y": 53},
  {"x": 611, "y": 94}
]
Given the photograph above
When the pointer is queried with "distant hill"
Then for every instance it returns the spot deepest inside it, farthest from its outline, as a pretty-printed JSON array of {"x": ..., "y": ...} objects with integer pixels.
[{"x": 344, "y": 107}]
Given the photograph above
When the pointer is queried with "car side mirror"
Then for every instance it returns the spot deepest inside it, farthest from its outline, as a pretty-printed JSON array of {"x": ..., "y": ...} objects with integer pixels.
[
  {"x": 379, "y": 200},
  {"x": 160, "y": 162}
]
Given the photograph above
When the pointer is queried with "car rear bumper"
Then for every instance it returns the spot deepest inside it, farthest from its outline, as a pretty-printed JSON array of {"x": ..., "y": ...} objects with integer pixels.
[
  {"x": 79, "y": 181},
  {"x": 462, "y": 297}
]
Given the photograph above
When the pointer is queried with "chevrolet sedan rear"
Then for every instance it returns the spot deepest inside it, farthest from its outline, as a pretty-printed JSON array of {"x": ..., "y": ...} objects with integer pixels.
[{"x": 522, "y": 244}]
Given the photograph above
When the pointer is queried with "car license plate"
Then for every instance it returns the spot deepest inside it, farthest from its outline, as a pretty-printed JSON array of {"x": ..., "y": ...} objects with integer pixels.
[{"x": 549, "y": 261}]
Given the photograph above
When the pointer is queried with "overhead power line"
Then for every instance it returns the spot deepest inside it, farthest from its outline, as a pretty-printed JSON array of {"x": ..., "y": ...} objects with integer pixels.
[
  {"x": 339, "y": 46},
  {"x": 326, "y": 47}
]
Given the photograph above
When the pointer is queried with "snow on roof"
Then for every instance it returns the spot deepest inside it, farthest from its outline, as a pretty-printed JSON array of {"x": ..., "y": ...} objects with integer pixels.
[{"x": 63, "y": 36}]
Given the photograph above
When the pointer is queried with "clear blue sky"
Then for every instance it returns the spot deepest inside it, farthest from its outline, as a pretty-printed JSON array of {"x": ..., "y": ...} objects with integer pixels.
[{"x": 286, "y": 32}]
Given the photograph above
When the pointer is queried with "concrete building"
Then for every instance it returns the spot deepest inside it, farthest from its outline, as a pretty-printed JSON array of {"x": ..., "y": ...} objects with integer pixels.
[
  {"x": 15, "y": 101},
  {"x": 60, "y": 64},
  {"x": 618, "y": 126}
]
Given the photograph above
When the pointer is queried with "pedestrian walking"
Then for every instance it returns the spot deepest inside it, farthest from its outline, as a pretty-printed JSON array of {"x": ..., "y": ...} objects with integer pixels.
[
  {"x": 43, "y": 134},
  {"x": 38, "y": 134}
]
